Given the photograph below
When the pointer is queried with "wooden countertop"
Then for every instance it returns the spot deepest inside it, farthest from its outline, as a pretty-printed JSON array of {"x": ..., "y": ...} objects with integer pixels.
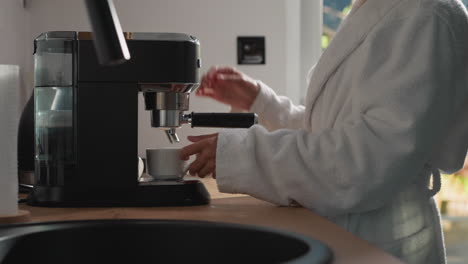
[{"x": 347, "y": 248}]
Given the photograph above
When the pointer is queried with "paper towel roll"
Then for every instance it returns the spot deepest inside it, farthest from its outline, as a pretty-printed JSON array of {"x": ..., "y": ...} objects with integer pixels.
[{"x": 9, "y": 116}]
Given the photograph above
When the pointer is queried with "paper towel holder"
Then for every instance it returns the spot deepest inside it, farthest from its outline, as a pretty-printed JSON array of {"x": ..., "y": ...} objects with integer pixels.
[{"x": 9, "y": 83}]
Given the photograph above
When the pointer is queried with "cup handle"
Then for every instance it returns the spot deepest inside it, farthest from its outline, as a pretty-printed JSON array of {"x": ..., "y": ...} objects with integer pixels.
[
  {"x": 186, "y": 172},
  {"x": 141, "y": 167}
]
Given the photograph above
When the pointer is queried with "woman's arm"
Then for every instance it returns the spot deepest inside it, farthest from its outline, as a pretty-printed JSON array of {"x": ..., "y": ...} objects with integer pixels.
[{"x": 277, "y": 112}]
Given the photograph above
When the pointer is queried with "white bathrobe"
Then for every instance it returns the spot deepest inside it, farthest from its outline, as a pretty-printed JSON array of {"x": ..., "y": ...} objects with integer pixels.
[{"x": 361, "y": 151}]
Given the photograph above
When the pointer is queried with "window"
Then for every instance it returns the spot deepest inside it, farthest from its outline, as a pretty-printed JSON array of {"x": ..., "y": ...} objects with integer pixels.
[{"x": 334, "y": 11}]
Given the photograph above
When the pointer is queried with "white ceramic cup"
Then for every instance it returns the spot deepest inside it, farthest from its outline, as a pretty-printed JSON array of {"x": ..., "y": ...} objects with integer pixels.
[{"x": 164, "y": 164}]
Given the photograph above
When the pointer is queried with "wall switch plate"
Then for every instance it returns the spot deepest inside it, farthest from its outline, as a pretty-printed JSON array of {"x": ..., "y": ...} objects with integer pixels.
[{"x": 251, "y": 50}]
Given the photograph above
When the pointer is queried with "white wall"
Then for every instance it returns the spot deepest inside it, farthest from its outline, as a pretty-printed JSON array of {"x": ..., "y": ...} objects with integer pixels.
[
  {"x": 303, "y": 44},
  {"x": 311, "y": 46},
  {"x": 217, "y": 23},
  {"x": 293, "y": 50},
  {"x": 13, "y": 25}
]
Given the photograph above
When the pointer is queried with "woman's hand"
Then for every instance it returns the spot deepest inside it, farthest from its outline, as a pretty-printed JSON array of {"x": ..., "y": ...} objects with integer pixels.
[
  {"x": 229, "y": 86},
  {"x": 205, "y": 149}
]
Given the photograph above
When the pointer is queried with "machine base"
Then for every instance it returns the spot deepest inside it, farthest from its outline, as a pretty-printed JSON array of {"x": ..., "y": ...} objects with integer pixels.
[{"x": 149, "y": 194}]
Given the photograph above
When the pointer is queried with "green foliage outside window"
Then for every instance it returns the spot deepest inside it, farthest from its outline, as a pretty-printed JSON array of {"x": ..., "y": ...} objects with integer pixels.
[{"x": 329, "y": 33}]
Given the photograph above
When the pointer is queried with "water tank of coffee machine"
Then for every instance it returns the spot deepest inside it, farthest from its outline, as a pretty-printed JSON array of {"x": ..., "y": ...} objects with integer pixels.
[{"x": 54, "y": 114}]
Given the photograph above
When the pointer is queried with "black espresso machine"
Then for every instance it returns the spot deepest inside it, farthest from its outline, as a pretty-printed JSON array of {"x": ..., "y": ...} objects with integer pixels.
[{"x": 86, "y": 119}]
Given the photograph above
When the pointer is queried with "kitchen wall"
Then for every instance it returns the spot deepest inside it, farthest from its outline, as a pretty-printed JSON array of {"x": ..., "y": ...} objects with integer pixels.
[
  {"x": 217, "y": 23},
  {"x": 14, "y": 22}
]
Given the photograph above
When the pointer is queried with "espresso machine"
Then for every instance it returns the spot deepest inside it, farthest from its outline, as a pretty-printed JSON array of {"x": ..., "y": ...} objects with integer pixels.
[{"x": 86, "y": 119}]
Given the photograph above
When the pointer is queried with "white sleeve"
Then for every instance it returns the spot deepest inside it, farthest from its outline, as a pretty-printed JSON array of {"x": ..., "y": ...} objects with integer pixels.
[
  {"x": 403, "y": 102},
  {"x": 276, "y": 112}
]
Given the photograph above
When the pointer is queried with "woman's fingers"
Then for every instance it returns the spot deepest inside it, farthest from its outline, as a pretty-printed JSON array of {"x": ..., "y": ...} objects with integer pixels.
[
  {"x": 227, "y": 70},
  {"x": 211, "y": 73},
  {"x": 207, "y": 86},
  {"x": 197, "y": 165},
  {"x": 198, "y": 138},
  {"x": 207, "y": 92},
  {"x": 190, "y": 150},
  {"x": 204, "y": 84},
  {"x": 224, "y": 79},
  {"x": 205, "y": 150},
  {"x": 208, "y": 169},
  {"x": 228, "y": 86},
  {"x": 214, "y": 71},
  {"x": 199, "y": 146}
]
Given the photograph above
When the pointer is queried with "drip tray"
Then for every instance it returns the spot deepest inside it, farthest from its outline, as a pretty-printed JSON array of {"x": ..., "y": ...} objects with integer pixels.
[{"x": 155, "y": 241}]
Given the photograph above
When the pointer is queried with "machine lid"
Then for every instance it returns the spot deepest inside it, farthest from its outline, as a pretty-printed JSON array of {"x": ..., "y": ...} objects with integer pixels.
[
  {"x": 84, "y": 35},
  {"x": 51, "y": 35},
  {"x": 164, "y": 36},
  {"x": 55, "y": 42}
]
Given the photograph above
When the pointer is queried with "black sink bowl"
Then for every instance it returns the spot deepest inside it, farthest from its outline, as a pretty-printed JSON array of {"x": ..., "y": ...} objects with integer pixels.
[{"x": 154, "y": 241}]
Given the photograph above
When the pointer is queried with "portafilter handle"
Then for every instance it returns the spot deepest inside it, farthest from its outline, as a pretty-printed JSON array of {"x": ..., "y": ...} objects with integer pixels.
[
  {"x": 223, "y": 120},
  {"x": 219, "y": 120}
]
